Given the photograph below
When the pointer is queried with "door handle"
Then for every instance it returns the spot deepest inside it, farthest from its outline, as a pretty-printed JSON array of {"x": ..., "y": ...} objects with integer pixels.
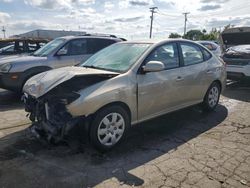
[{"x": 179, "y": 78}]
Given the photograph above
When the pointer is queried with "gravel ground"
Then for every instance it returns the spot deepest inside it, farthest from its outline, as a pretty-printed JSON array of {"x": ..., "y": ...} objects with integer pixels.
[{"x": 187, "y": 148}]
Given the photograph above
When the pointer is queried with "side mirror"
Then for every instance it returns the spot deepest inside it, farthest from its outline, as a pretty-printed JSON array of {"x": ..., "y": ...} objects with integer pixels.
[
  {"x": 62, "y": 52},
  {"x": 153, "y": 66}
]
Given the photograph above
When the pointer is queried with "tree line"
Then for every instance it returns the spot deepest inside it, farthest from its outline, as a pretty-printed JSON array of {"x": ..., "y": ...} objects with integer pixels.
[{"x": 196, "y": 34}]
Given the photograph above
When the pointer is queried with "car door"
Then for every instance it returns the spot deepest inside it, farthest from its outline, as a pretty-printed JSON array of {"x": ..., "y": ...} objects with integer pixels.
[
  {"x": 194, "y": 73},
  {"x": 159, "y": 91},
  {"x": 72, "y": 53}
]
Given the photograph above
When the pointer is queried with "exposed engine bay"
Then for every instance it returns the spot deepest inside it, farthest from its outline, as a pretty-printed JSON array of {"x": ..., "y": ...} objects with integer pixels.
[{"x": 48, "y": 113}]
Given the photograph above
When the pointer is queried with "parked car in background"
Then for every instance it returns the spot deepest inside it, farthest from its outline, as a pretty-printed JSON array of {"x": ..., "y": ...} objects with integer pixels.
[
  {"x": 20, "y": 46},
  {"x": 61, "y": 52},
  {"x": 236, "y": 45},
  {"x": 121, "y": 85},
  {"x": 212, "y": 46}
]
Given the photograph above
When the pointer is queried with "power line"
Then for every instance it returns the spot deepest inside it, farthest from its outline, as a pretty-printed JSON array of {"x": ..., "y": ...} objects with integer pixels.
[
  {"x": 152, "y": 10},
  {"x": 185, "y": 22}
]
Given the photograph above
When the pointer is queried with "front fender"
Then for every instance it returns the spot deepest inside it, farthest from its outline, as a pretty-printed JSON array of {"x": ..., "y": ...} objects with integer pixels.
[{"x": 102, "y": 94}]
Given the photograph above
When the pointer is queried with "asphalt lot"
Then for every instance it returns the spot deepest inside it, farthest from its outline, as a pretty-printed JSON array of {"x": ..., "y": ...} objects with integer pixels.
[{"x": 187, "y": 148}]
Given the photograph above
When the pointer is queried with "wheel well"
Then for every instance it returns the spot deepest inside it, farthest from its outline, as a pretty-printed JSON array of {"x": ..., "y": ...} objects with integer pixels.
[
  {"x": 215, "y": 81},
  {"x": 122, "y": 104},
  {"x": 218, "y": 82},
  {"x": 89, "y": 118}
]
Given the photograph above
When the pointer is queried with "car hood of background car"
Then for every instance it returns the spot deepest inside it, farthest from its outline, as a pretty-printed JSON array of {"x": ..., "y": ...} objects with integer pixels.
[
  {"x": 20, "y": 59},
  {"x": 236, "y": 38},
  {"x": 40, "y": 84}
]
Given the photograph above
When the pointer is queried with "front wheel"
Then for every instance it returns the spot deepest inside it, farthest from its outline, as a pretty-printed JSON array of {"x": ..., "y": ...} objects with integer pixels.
[
  {"x": 109, "y": 127},
  {"x": 212, "y": 97}
]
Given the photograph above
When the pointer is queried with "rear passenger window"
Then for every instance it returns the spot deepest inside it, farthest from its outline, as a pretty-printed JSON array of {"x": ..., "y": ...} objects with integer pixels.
[
  {"x": 191, "y": 54},
  {"x": 94, "y": 45},
  {"x": 167, "y": 54}
]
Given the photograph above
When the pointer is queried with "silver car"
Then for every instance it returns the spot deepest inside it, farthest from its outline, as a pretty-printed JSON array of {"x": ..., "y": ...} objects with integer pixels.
[
  {"x": 122, "y": 85},
  {"x": 61, "y": 52}
]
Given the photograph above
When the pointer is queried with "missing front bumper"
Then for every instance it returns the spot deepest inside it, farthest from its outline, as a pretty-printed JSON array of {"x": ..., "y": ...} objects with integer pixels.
[{"x": 50, "y": 119}]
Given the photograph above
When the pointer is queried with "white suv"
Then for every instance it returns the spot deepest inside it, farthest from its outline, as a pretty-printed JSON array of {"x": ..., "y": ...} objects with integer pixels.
[{"x": 236, "y": 45}]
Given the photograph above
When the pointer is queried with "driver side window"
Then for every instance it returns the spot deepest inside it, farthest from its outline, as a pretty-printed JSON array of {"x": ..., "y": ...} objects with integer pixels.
[{"x": 167, "y": 54}]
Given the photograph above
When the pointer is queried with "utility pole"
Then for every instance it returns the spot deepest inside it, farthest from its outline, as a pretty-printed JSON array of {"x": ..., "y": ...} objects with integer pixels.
[
  {"x": 152, "y": 10},
  {"x": 3, "y": 30},
  {"x": 185, "y": 23}
]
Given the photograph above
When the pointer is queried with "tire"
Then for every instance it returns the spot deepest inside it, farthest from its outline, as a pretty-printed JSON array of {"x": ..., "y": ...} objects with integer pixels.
[
  {"x": 109, "y": 127},
  {"x": 212, "y": 97}
]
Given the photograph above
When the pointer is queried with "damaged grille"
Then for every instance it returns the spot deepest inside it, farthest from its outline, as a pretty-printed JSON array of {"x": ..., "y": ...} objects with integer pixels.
[
  {"x": 49, "y": 117},
  {"x": 48, "y": 113}
]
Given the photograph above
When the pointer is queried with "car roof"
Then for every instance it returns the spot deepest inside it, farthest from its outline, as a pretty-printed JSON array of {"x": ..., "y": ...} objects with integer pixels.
[
  {"x": 156, "y": 41},
  {"x": 91, "y": 37},
  {"x": 206, "y": 41}
]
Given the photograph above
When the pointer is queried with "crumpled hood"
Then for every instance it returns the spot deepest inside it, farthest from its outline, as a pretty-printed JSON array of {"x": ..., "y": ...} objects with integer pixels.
[
  {"x": 40, "y": 84},
  {"x": 20, "y": 59}
]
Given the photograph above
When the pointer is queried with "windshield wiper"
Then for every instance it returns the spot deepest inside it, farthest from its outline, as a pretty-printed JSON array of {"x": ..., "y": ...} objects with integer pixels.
[{"x": 100, "y": 68}]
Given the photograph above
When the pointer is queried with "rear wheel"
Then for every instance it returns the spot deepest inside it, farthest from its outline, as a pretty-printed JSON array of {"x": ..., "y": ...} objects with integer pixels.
[
  {"x": 212, "y": 97},
  {"x": 109, "y": 127}
]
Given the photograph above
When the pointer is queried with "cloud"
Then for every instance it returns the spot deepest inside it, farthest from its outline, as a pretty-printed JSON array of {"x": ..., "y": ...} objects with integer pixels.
[
  {"x": 4, "y": 17},
  {"x": 163, "y": 4},
  {"x": 128, "y": 19},
  {"x": 84, "y": 13},
  {"x": 236, "y": 21},
  {"x": 48, "y": 4},
  {"x": 108, "y": 5},
  {"x": 57, "y": 4},
  {"x": 131, "y": 3},
  {"x": 215, "y": 1},
  {"x": 209, "y": 7},
  {"x": 7, "y": 1},
  {"x": 139, "y": 2}
]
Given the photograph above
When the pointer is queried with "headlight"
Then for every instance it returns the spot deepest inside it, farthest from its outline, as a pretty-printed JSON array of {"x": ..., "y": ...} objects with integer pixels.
[
  {"x": 5, "y": 67},
  {"x": 34, "y": 89}
]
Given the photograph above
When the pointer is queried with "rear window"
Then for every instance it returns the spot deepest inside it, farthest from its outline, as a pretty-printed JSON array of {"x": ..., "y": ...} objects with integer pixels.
[{"x": 206, "y": 54}]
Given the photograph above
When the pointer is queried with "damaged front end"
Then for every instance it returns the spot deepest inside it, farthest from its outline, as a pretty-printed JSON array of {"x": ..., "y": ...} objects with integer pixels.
[
  {"x": 48, "y": 112},
  {"x": 49, "y": 116}
]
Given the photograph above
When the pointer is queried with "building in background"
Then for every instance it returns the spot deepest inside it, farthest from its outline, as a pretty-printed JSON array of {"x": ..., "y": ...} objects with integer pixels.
[{"x": 48, "y": 34}]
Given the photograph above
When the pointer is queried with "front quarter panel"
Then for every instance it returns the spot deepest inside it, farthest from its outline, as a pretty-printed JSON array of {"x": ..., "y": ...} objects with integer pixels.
[{"x": 118, "y": 89}]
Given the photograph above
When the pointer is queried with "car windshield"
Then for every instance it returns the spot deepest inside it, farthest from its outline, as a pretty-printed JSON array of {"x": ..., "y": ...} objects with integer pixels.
[
  {"x": 117, "y": 57},
  {"x": 48, "y": 48}
]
